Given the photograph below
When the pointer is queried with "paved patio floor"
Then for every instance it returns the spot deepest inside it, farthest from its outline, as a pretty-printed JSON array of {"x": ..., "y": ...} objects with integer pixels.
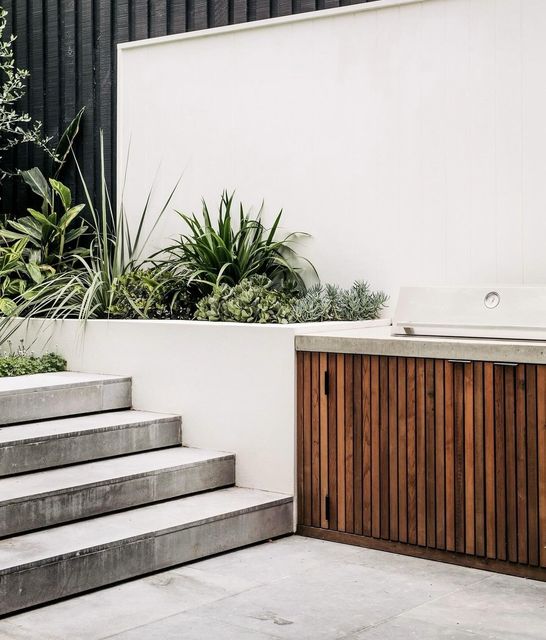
[{"x": 297, "y": 588}]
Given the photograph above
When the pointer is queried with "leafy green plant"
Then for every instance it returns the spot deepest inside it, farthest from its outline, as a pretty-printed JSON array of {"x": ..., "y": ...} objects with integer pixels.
[
  {"x": 21, "y": 362},
  {"x": 49, "y": 232},
  {"x": 329, "y": 302},
  {"x": 15, "y": 275},
  {"x": 228, "y": 252},
  {"x": 253, "y": 299},
  {"x": 155, "y": 293}
]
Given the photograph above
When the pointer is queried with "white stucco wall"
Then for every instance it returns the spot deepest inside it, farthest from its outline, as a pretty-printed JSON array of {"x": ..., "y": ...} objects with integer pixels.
[
  {"x": 233, "y": 384},
  {"x": 408, "y": 139}
]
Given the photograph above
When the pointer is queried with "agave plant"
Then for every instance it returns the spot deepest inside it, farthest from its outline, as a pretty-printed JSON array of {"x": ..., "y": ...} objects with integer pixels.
[{"x": 227, "y": 252}]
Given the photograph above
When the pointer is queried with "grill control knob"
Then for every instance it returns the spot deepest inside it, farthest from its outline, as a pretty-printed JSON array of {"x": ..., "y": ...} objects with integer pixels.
[{"x": 492, "y": 300}]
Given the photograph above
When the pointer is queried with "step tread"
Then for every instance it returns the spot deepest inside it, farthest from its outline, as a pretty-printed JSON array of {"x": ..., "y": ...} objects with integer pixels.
[
  {"x": 83, "y": 537},
  {"x": 47, "y": 381},
  {"x": 41, "y": 483},
  {"x": 72, "y": 426}
]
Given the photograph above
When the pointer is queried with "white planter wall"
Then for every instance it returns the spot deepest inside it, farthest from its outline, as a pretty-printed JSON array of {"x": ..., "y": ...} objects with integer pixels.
[
  {"x": 233, "y": 385},
  {"x": 408, "y": 140}
]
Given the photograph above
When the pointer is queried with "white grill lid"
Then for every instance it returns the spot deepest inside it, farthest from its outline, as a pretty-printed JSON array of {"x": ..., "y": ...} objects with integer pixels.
[{"x": 514, "y": 312}]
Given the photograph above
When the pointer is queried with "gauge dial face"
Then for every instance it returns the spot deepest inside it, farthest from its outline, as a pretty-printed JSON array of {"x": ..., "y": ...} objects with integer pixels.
[{"x": 492, "y": 300}]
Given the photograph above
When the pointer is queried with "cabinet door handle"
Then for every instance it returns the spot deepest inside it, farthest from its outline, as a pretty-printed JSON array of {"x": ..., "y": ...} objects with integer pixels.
[
  {"x": 506, "y": 364},
  {"x": 460, "y": 361}
]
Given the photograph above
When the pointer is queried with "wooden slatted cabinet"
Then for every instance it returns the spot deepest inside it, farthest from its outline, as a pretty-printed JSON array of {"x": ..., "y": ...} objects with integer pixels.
[{"x": 433, "y": 458}]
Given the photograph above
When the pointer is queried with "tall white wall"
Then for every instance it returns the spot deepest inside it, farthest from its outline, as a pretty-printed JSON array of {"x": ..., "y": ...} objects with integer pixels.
[{"x": 409, "y": 140}]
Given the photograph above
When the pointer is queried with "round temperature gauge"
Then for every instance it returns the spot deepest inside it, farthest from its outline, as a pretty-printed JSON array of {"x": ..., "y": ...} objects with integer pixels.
[{"x": 492, "y": 300}]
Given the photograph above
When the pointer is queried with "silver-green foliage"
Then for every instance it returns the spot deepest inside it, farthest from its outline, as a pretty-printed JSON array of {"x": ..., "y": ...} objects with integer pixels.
[
  {"x": 327, "y": 302},
  {"x": 252, "y": 300},
  {"x": 16, "y": 126}
]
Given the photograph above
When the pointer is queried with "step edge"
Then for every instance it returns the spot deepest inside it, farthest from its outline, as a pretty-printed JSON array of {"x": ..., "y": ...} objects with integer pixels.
[
  {"x": 87, "y": 551},
  {"x": 95, "y": 430},
  {"x": 117, "y": 480},
  {"x": 67, "y": 385}
]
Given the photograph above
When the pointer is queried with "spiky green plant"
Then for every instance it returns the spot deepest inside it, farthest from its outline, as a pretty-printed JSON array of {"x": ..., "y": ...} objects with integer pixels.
[{"x": 230, "y": 250}]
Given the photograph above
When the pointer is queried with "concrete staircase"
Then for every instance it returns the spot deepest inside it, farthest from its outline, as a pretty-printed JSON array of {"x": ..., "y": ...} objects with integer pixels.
[{"x": 92, "y": 492}]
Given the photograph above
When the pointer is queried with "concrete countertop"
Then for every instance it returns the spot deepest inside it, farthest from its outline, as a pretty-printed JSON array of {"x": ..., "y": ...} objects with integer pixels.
[{"x": 379, "y": 341}]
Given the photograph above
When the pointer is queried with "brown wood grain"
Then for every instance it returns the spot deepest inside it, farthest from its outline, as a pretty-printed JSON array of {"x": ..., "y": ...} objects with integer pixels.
[
  {"x": 430, "y": 435},
  {"x": 358, "y": 443},
  {"x": 323, "y": 418},
  {"x": 332, "y": 440},
  {"x": 439, "y": 454},
  {"x": 489, "y": 444},
  {"x": 458, "y": 427},
  {"x": 315, "y": 440},
  {"x": 500, "y": 485},
  {"x": 421, "y": 462},
  {"x": 402, "y": 453},
  {"x": 511, "y": 464},
  {"x": 412, "y": 457},
  {"x": 532, "y": 464},
  {"x": 479, "y": 459},
  {"x": 340, "y": 399},
  {"x": 367, "y": 447},
  {"x": 376, "y": 457},
  {"x": 541, "y": 420},
  {"x": 393, "y": 448},
  {"x": 299, "y": 434},
  {"x": 470, "y": 544},
  {"x": 449, "y": 413},
  {"x": 384, "y": 444},
  {"x": 521, "y": 471},
  {"x": 307, "y": 464},
  {"x": 349, "y": 445}
]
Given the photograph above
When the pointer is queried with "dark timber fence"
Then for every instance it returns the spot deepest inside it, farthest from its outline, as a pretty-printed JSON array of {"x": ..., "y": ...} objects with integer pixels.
[{"x": 69, "y": 47}]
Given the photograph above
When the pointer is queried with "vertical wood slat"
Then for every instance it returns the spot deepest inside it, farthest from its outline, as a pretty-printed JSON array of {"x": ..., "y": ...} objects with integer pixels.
[
  {"x": 421, "y": 453},
  {"x": 430, "y": 426},
  {"x": 412, "y": 452},
  {"x": 459, "y": 436},
  {"x": 500, "y": 484},
  {"x": 402, "y": 452},
  {"x": 532, "y": 463},
  {"x": 315, "y": 440},
  {"x": 479, "y": 459},
  {"x": 384, "y": 445},
  {"x": 300, "y": 383},
  {"x": 332, "y": 440},
  {"x": 490, "y": 477},
  {"x": 392, "y": 395},
  {"x": 307, "y": 459},
  {"x": 323, "y": 444},
  {"x": 521, "y": 471},
  {"x": 541, "y": 420},
  {"x": 367, "y": 446},
  {"x": 439, "y": 450},
  {"x": 375, "y": 452},
  {"x": 340, "y": 419},
  {"x": 511, "y": 465},
  {"x": 358, "y": 440},
  {"x": 449, "y": 440},
  {"x": 349, "y": 445},
  {"x": 469, "y": 458}
]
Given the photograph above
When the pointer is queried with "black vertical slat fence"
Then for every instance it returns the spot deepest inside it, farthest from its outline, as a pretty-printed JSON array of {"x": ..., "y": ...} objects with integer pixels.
[{"x": 69, "y": 47}]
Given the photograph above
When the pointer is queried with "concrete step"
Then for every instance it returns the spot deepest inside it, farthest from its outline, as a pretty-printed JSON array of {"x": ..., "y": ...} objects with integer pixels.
[
  {"x": 55, "y": 443},
  {"x": 55, "y": 395},
  {"x": 46, "y": 498},
  {"x": 46, "y": 565}
]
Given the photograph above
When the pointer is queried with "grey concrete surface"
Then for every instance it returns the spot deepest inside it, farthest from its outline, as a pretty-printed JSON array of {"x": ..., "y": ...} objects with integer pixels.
[
  {"x": 53, "y": 395},
  {"x": 46, "y": 498},
  {"x": 379, "y": 341},
  {"x": 298, "y": 588},
  {"x": 45, "y": 565},
  {"x": 54, "y": 443}
]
